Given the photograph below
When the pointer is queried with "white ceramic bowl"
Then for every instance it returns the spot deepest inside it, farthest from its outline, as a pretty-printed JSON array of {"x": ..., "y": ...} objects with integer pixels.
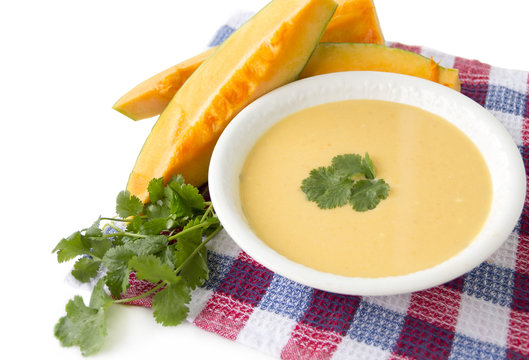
[{"x": 496, "y": 145}]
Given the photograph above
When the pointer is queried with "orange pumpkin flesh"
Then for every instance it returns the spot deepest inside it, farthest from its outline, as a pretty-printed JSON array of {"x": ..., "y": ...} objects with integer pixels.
[
  {"x": 331, "y": 57},
  {"x": 353, "y": 21},
  {"x": 268, "y": 51},
  {"x": 449, "y": 77},
  {"x": 150, "y": 97}
]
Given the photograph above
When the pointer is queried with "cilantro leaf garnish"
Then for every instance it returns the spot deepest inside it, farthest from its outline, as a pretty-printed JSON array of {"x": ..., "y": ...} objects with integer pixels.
[
  {"x": 128, "y": 205},
  {"x": 368, "y": 168},
  {"x": 170, "y": 305},
  {"x": 348, "y": 165},
  {"x": 194, "y": 268},
  {"x": 71, "y": 247},
  {"x": 162, "y": 241},
  {"x": 116, "y": 260},
  {"x": 151, "y": 268},
  {"x": 99, "y": 298},
  {"x": 155, "y": 189},
  {"x": 341, "y": 183},
  {"x": 366, "y": 194},
  {"x": 82, "y": 326},
  {"x": 85, "y": 269},
  {"x": 327, "y": 187},
  {"x": 148, "y": 245}
]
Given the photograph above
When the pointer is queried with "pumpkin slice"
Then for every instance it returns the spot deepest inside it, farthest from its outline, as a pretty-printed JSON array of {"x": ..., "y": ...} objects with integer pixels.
[
  {"x": 268, "y": 51},
  {"x": 449, "y": 77},
  {"x": 329, "y": 58},
  {"x": 353, "y": 21},
  {"x": 149, "y": 98}
]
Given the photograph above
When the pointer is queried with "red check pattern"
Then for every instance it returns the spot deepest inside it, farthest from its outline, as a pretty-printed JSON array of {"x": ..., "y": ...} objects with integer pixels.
[{"x": 484, "y": 314}]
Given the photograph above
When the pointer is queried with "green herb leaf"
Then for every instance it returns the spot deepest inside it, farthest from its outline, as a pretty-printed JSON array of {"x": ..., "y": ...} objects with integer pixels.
[
  {"x": 128, "y": 205},
  {"x": 85, "y": 269},
  {"x": 117, "y": 262},
  {"x": 367, "y": 194},
  {"x": 157, "y": 210},
  {"x": 117, "y": 257},
  {"x": 71, "y": 247},
  {"x": 155, "y": 189},
  {"x": 338, "y": 184},
  {"x": 193, "y": 262},
  {"x": 82, "y": 326},
  {"x": 100, "y": 245},
  {"x": 163, "y": 243},
  {"x": 368, "y": 168},
  {"x": 94, "y": 230},
  {"x": 153, "y": 226},
  {"x": 348, "y": 165},
  {"x": 176, "y": 205},
  {"x": 191, "y": 196},
  {"x": 183, "y": 198},
  {"x": 135, "y": 224},
  {"x": 117, "y": 281},
  {"x": 179, "y": 179},
  {"x": 210, "y": 224},
  {"x": 170, "y": 304},
  {"x": 167, "y": 257},
  {"x": 327, "y": 188},
  {"x": 99, "y": 298},
  {"x": 151, "y": 268},
  {"x": 147, "y": 246}
]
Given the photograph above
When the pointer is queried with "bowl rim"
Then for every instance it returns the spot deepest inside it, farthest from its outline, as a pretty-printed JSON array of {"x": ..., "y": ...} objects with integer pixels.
[{"x": 249, "y": 125}]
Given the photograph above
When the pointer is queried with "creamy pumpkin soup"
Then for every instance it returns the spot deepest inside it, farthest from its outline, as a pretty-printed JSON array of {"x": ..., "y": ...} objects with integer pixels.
[{"x": 439, "y": 198}]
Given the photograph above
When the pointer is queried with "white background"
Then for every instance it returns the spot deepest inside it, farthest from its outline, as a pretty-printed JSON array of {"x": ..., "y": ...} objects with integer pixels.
[{"x": 66, "y": 154}]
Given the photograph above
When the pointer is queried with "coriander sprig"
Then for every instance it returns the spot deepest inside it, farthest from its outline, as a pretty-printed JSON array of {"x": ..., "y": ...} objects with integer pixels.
[
  {"x": 163, "y": 242},
  {"x": 341, "y": 183}
]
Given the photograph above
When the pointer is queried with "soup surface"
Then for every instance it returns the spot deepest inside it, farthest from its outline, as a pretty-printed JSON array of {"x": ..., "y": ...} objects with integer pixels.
[{"x": 440, "y": 193}]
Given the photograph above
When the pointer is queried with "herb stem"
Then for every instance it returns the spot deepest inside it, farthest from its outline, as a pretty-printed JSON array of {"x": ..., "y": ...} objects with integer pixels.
[
  {"x": 208, "y": 211},
  {"x": 202, "y": 244},
  {"x": 114, "y": 219},
  {"x": 135, "y": 239},
  {"x": 164, "y": 283},
  {"x": 141, "y": 296},
  {"x": 115, "y": 227},
  {"x": 122, "y": 233},
  {"x": 189, "y": 229}
]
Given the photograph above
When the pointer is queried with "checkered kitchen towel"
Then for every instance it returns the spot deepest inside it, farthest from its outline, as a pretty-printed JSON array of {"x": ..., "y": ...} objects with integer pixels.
[{"x": 481, "y": 315}]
